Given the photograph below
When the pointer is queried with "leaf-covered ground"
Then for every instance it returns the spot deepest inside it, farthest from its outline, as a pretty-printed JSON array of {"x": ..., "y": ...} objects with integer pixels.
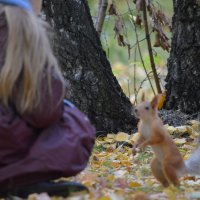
[{"x": 114, "y": 173}]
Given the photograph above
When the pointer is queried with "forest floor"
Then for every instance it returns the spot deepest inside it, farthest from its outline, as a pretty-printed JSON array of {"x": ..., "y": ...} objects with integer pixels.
[{"x": 114, "y": 173}]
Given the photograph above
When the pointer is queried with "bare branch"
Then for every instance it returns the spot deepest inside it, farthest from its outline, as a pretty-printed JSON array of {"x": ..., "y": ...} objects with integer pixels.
[
  {"x": 139, "y": 49},
  {"x": 140, "y": 87},
  {"x": 103, "y": 4},
  {"x": 150, "y": 48},
  {"x": 135, "y": 89}
]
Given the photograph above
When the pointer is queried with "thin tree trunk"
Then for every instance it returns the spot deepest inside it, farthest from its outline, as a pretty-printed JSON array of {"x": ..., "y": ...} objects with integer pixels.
[
  {"x": 155, "y": 74},
  {"x": 93, "y": 88},
  {"x": 103, "y": 4}
]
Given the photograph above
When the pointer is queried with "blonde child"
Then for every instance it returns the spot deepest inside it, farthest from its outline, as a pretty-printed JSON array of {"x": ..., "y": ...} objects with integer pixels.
[{"x": 41, "y": 137}]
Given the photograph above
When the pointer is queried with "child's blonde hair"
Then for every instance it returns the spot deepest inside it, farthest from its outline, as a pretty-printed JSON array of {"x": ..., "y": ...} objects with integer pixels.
[{"x": 28, "y": 59}]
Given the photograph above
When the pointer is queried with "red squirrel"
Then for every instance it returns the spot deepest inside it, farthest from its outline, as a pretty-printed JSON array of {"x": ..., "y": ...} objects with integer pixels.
[{"x": 167, "y": 165}]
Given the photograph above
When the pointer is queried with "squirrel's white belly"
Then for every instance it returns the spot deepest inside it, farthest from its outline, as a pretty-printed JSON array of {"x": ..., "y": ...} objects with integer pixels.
[{"x": 145, "y": 131}]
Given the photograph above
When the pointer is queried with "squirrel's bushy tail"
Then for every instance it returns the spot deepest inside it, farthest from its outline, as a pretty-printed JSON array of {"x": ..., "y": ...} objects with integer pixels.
[{"x": 193, "y": 163}]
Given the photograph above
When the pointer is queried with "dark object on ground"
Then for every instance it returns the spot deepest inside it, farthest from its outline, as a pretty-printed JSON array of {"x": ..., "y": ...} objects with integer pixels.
[
  {"x": 175, "y": 117},
  {"x": 63, "y": 189}
]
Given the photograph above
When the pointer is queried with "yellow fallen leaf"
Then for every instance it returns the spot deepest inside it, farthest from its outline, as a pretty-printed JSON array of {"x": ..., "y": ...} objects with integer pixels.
[
  {"x": 109, "y": 140},
  {"x": 110, "y": 135},
  {"x": 122, "y": 137},
  {"x": 96, "y": 165},
  {"x": 134, "y": 184},
  {"x": 171, "y": 129},
  {"x": 102, "y": 154},
  {"x": 190, "y": 130},
  {"x": 96, "y": 162},
  {"x": 116, "y": 164},
  {"x": 126, "y": 163},
  {"x": 181, "y": 130},
  {"x": 195, "y": 124},
  {"x": 162, "y": 98},
  {"x": 186, "y": 156},
  {"x": 104, "y": 198},
  {"x": 179, "y": 141},
  {"x": 172, "y": 192},
  {"x": 151, "y": 181},
  {"x": 195, "y": 134},
  {"x": 100, "y": 142},
  {"x": 110, "y": 177},
  {"x": 89, "y": 179},
  {"x": 121, "y": 156}
]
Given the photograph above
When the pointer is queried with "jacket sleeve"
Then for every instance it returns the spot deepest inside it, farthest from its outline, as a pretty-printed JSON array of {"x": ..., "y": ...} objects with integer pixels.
[
  {"x": 50, "y": 110},
  {"x": 61, "y": 150}
]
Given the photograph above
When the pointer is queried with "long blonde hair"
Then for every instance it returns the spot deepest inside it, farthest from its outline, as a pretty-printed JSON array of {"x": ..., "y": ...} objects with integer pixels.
[{"x": 28, "y": 57}]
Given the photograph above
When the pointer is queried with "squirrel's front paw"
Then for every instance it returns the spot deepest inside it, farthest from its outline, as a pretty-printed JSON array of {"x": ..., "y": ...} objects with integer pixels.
[{"x": 134, "y": 149}]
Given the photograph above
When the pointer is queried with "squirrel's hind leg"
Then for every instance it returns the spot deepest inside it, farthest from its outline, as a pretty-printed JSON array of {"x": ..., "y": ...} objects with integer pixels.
[
  {"x": 158, "y": 172},
  {"x": 171, "y": 173}
]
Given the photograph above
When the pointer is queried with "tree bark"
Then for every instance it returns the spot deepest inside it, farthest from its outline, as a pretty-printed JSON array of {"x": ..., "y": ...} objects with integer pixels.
[
  {"x": 183, "y": 79},
  {"x": 93, "y": 87}
]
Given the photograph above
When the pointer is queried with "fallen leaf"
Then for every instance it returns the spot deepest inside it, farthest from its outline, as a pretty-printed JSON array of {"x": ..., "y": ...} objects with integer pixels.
[
  {"x": 126, "y": 163},
  {"x": 121, "y": 183},
  {"x": 179, "y": 141},
  {"x": 42, "y": 196},
  {"x": 134, "y": 184},
  {"x": 104, "y": 198},
  {"x": 119, "y": 173},
  {"x": 162, "y": 98},
  {"x": 171, "y": 129},
  {"x": 116, "y": 164},
  {"x": 111, "y": 136},
  {"x": 122, "y": 137},
  {"x": 89, "y": 178}
]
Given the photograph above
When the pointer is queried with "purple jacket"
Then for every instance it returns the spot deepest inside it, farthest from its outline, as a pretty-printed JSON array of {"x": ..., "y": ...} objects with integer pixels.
[{"x": 54, "y": 141}]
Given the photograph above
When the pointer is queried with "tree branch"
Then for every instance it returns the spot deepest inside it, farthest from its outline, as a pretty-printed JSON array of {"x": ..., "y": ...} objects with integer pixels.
[
  {"x": 150, "y": 48},
  {"x": 138, "y": 45},
  {"x": 103, "y": 4}
]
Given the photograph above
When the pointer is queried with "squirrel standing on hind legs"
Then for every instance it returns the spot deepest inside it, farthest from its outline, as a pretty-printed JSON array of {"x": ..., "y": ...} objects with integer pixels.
[{"x": 167, "y": 165}]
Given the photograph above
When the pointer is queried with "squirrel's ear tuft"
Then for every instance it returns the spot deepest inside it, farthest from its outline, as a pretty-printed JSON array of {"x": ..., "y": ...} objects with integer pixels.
[
  {"x": 155, "y": 101},
  {"x": 143, "y": 97}
]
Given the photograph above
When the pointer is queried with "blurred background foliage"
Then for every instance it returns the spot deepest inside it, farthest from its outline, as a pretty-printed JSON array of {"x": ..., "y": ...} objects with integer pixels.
[{"x": 124, "y": 66}]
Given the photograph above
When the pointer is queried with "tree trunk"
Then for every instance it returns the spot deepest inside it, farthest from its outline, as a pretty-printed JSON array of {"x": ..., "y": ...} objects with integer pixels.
[
  {"x": 93, "y": 87},
  {"x": 183, "y": 79}
]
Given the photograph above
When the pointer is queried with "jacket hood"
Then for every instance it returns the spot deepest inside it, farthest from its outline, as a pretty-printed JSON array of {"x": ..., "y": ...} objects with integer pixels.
[{"x": 24, "y": 4}]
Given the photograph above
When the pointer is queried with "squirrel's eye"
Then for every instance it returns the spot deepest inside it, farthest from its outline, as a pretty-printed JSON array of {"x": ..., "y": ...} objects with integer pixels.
[{"x": 147, "y": 108}]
